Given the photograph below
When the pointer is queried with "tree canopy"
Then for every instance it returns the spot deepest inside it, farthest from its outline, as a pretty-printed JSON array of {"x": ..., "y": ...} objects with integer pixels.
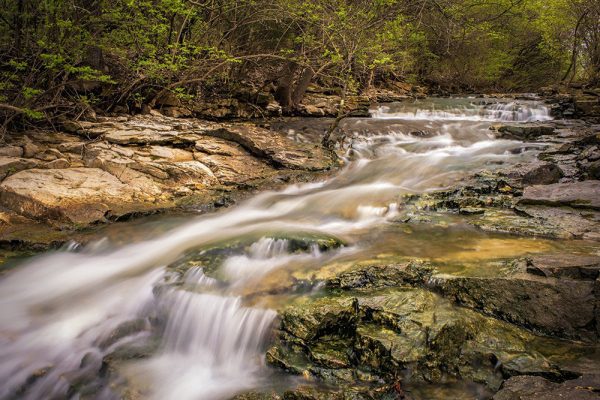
[{"x": 70, "y": 55}]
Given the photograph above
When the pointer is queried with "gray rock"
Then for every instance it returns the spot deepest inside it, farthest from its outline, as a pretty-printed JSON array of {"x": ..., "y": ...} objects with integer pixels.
[
  {"x": 522, "y": 131},
  {"x": 584, "y": 194},
  {"x": 562, "y": 308},
  {"x": 537, "y": 388}
]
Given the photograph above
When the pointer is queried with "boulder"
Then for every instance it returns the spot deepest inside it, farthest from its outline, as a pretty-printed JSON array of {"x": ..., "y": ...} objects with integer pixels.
[
  {"x": 74, "y": 196},
  {"x": 558, "y": 307}
]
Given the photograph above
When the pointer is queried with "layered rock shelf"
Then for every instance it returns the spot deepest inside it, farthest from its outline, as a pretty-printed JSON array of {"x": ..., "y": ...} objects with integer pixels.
[{"x": 112, "y": 168}]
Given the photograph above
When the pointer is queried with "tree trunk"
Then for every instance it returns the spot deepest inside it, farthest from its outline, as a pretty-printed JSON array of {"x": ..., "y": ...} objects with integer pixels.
[
  {"x": 18, "y": 24},
  {"x": 301, "y": 86},
  {"x": 329, "y": 141},
  {"x": 283, "y": 93}
]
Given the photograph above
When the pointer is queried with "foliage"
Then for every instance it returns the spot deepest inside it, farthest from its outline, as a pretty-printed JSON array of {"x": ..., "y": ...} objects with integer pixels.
[{"x": 69, "y": 56}]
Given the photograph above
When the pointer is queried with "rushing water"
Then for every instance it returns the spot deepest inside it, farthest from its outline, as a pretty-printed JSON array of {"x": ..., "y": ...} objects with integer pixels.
[{"x": 64, "y": 312}]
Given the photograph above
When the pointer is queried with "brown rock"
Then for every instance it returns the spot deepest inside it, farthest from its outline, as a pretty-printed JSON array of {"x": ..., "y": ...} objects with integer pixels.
[
  {"x": 58, "y": 164},
  {"x": 537, "y": 388},
  {"x": 584, "y": 194},
  {"x": 11, "y": 151},
  {"x": 74, "y": 196},
  {"x": 171, "y": 154},
  {"x": 565, "y": 265},
  {"x": 11, "y": 165},
  {"x": 280, "y": 150}
]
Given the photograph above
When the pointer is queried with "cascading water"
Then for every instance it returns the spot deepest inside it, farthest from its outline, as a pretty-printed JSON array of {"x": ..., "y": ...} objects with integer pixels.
[
  {"x": 466, "y": 110},
  {"x": 64, "y": 312}
]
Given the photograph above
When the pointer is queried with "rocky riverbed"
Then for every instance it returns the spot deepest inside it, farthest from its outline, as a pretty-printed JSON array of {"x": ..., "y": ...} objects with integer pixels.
[
  {"x": 454, "y": 256},
  {"x": 508, "y": 328}
]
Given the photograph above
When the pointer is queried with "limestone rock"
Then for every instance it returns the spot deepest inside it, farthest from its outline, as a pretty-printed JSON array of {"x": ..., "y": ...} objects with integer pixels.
[
  {"x": 171, "y": 154},
  {"x": 11, "y": 151},
  {"x": 76, "y": 195},
  {"x": 277, "y": 148},
  {"x": 149, "y": 137},
  {"x": 12, "y": 165}
]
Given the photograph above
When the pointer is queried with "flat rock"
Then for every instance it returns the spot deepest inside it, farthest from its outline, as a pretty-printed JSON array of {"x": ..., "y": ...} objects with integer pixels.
[
  {"x": 280, "y": 150},
  {"x": 522, "y": 131},
  {"x": 11, "y": 151},
  {"x": 11, "y": 165},
  {"x": 171, "y": 154},
  {"x": 75, "y": 195},
  {"x": 584, "y": 194},
  {"x": 149, "y": 137},
  {"x": 216, "y": 146},
  {"x": 232, "y": 170},
  {"x": 537, "y": 388},
  {"x": 565, "y": 265}
]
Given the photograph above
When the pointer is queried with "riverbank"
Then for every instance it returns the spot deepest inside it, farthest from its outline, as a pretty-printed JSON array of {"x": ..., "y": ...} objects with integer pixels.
[
  {"x": 60, "y": 183},
  {"x": 112, "y": 169},
  {"x": 456, "y": 256}
]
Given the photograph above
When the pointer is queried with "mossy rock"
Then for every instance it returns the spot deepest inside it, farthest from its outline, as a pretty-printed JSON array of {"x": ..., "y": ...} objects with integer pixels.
[
  {"x": 383, "y": 334},
  {"x": 320, "y": 317},
  {"x": 212, "y": 257},
  {"x": 379, "y": 276}
]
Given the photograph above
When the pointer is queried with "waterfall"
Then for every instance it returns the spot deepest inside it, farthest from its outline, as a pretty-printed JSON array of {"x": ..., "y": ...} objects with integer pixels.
[{"x": 212, "y": 347}]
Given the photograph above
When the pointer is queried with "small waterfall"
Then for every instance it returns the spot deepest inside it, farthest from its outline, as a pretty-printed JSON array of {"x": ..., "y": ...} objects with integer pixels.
[
  {"x": 195, "y": 278},
  {"x": 216, "y": 328},
  {"x": 445, "y": 110},
  {"x": 262, "y": 257},
  {"x": 212, "y": 347}
]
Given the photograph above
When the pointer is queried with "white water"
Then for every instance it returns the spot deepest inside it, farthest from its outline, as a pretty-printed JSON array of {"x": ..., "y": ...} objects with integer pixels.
[
  {"x": 60, "y": 311},
  {"x": 465, "y": 110}
]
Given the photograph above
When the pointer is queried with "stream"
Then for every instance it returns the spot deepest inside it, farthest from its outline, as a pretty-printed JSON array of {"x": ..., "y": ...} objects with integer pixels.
[{"x": 187, "y": 311}]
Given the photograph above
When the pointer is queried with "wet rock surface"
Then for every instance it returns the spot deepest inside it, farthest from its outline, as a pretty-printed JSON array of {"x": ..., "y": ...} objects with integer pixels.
[
  {"x": 118, "y": 167},
  {"x": 398, "y": 326},
  {"x": 535, "y": 387},
  {"x": 577, "y": 194},
  {"x": 554, "y": 196},
  {"x": 382, "y": 331}
]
